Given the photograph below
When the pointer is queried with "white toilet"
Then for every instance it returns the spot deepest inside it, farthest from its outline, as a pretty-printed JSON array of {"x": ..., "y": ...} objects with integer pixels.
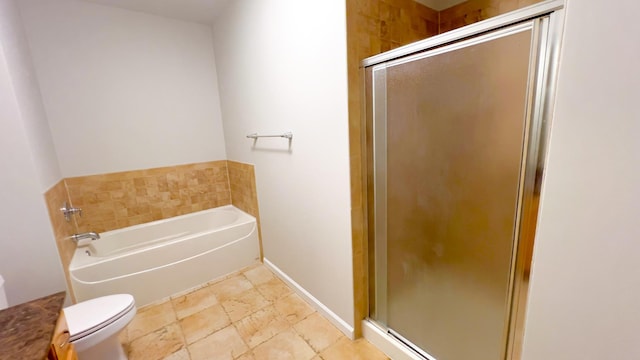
[
  {"x": 3, "y": 295},
  {"x": 95, "y": 324}
]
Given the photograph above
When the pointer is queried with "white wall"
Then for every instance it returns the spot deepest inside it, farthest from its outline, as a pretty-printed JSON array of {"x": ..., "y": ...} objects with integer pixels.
[
  {"x": 28, "y": 257},
  {"x": 585, "y": 289},
  {"x": 27, "y": 93},
  {"x": 124, "y": 90},
  {"x": 282, "y": 65}
]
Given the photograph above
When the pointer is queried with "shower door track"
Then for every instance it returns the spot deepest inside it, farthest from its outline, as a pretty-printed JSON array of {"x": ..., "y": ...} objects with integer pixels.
[
  {"x": 410, "y": 345},
  {"x": 549, "y": 20}
]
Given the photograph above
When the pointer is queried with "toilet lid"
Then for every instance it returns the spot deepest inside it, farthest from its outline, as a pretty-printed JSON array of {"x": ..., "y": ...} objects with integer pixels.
[{"x": 89, "y": 316}]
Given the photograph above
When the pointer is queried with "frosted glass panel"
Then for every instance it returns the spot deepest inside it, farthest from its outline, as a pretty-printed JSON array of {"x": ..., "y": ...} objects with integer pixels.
[{"x": 455, "y": 127}]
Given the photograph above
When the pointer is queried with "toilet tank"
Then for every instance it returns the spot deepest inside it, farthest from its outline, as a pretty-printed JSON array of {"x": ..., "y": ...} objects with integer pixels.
[{"x": 3, "y": 295}]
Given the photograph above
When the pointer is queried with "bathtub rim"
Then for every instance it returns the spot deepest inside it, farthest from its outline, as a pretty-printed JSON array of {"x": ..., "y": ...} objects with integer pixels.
[
  {"x": 179, "y": 217},
  {"x": 78, "y": 263},
  {"x": 84, "y": 282}
]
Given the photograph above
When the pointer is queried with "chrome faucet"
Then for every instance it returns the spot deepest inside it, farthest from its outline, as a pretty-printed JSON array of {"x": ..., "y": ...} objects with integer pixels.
[
  {"x": 67, "y": 211},
  {"x": 88, "y": 235}
]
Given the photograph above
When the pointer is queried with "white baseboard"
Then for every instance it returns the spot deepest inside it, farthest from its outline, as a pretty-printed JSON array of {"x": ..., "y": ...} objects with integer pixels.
[
  {"x": 315, "y": 303},
  {"x": 389, "y": 345}
]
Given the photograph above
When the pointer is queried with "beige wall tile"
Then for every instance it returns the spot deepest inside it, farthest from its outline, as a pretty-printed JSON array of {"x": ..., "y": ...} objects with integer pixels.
[
  {"x": 151, "y": 319},
  {"x": 244, "y": 196},
  {"x": 243, "y": 187},
  {"x": 225, "y": 344},
  {"x": 285, "y": 346},
  {"x": 194, "y": 302},
  {"x": 472, "y": 11},
  {"x": 261, "y": 326},
  {"x": 116, "y": 200},
  {"x": 318, "y": 332},
  {"x": 203, "y": 323},
  {"x": 158, "y": 344}
]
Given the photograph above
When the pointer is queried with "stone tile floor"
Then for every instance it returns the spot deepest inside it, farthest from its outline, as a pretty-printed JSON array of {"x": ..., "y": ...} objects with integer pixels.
[{"x": 247, "y": 315}]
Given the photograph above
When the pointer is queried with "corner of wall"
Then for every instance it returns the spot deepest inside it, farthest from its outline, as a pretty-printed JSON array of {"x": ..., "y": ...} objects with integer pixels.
[
  {"x": 62, "y": 229},
  {"x": 28, "y": 95}
]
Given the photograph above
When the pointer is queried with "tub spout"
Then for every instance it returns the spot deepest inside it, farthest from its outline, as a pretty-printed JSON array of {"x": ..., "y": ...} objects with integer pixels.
[{"x": 88, "y": 235}]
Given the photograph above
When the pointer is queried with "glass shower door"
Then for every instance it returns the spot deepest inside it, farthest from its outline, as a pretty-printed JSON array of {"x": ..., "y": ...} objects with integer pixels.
[{"x": 450, "y": 129}]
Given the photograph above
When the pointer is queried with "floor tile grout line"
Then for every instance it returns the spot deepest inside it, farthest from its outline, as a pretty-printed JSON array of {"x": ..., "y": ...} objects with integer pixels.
[
  {"x": 318, "y": 352},
  {"x": 241, "y": 337},
  {"x": 302, "y": 336},
  {"x": 184, "y": 338},
  {"x": 283, "y": 316},
  {"x": 271, "y": 294},
  {"x": 130, "y": 340},
  {"x": 217, "y": 303},
  {"x": 315, "y": 311},
  {"x": 271, "y": 337},
  {"x": 234, "y": 323}
]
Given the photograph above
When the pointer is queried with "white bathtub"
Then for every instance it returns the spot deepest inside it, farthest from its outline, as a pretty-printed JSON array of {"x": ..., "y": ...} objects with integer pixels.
[{"x": 154, "y": 260}]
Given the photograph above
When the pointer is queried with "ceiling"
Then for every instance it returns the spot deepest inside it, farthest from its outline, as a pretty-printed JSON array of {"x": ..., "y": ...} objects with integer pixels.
[
  {"x": 205, "y": 11},
  {"x": 201, "y": 11},
  {"x": 440, "y": 4}
]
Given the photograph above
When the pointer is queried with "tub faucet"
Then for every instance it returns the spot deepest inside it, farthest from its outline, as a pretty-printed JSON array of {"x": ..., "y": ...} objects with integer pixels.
[{"x": 88, "y": 235}]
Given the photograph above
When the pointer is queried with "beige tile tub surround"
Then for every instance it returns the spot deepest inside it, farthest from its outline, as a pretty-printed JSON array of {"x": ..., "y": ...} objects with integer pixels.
[
  {"x": 244, "y": 196},
  {"x": 231, "y": 318},
  {"x": 62, "y": 229},
  {"x": 117, "y": 200},
  {"x": 242, "y": 180}
]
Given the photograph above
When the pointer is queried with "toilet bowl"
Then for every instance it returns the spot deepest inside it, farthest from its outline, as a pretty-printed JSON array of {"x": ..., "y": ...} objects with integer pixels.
[
  {"x": 3, "y": 297},
  {"x": 94, "y": 326}
]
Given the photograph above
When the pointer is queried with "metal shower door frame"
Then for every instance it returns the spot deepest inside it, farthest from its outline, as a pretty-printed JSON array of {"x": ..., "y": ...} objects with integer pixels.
[{"x": 547, "y": 20}]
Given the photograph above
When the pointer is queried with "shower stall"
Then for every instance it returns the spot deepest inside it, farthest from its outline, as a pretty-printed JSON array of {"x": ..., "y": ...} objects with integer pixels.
[{"x": 456, "y": 130}]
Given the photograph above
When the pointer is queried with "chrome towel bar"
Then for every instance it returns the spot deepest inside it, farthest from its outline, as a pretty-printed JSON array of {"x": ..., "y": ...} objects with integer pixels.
[{"x": 287, "y": 135}]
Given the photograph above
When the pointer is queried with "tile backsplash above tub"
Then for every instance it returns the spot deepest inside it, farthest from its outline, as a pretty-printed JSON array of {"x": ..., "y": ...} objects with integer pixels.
[
  {"x": 244, "y": 195},
  {"x": 117, "y": 200},
  {"x": 243, "y": 187}
]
